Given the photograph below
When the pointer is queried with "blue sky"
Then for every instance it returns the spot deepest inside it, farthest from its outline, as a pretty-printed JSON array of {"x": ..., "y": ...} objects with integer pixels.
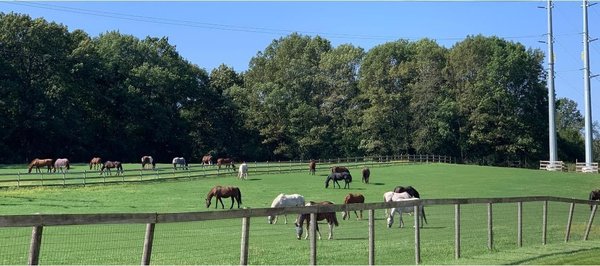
[{"x": 212, "y": 33}]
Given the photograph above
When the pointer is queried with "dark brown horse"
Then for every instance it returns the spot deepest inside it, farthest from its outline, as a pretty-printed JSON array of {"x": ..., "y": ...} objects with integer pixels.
[
  {"x": 95, "y": 163},
  {"x": 339, "y": 169},
  {"x": 329, "y": 216},
  {"x": 228, "y": 162},
  {"x": 594, "y": 195},
  {"x": 37, "y": 163},
  {"x": 112, "y": 164},
  {"x": 410, "y": 190},
  {"x": 353, "y": 198},
  {"x": 207, "y": 160},
  {"x": 224, "y": 192},
  {"x": 366, "y": 173},
  {"x": 312, "y": 167}
]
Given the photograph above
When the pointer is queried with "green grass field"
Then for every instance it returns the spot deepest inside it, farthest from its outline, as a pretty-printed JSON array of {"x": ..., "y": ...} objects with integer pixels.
[{"x": 218, "y": 242}]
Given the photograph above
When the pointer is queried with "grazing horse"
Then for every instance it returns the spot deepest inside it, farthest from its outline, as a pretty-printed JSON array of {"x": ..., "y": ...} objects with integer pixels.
[
  {"x": 207, "y": 160},
  {"x": 181, "y": 162},
  {"x": 312, "y": 167},
  {"x": 112, "y": 164},
  {"x": 366, "y": 173},
  {"x": 61, "y": 164},
  {"x": 243, "y": 171},
  {"x": 339, "y": 176},
  {"x": 404, "y": 196},
  {"x": 594, "y": 195},
  {"x": 410, "y": 190},
  {"x": 339, "y": 169},
  {"x": 329, "y": 216},
  {"x": 228, "y": 162},
  {"x": 37, "y": 163},
  {"x": 147, "y": 160},
  {"x": 353, "y": 198},
  {"x": 224, "y": 192},
  {"x": 283, "y": 200},
  {"x": 95, "y": 163}
]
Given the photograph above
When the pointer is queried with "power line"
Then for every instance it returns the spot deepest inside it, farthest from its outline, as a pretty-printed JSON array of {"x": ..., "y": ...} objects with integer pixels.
[{"x": 226, "y": 27}]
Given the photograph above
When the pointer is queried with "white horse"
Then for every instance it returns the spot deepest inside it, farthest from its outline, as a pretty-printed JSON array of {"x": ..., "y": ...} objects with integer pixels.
[
  {"x": 283, "y": 200},
  {"x": 60, "y": 164},
  {"x": 181, "y": 162},
  {"x": 148, "y": 160},
  {"x": 243, "y": 171},
  {"x": 404, "y": 196}
]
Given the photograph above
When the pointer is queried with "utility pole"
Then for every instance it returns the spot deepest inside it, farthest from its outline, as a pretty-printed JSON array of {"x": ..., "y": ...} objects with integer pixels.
[
  {"x": 551, "y": 100},
  {"x": 587, "y": 89}
]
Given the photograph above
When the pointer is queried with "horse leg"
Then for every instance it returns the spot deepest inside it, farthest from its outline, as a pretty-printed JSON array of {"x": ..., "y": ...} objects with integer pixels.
[
  {"x": 232, "y": 202},
  {"x": 330, "y": 230},
  {"x": 284, "y": 218},
  {"x": 219, "y": 200}
]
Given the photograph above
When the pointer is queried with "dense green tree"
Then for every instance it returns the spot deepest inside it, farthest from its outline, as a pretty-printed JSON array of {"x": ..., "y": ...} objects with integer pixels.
[
  {"x": 569, "y": 126},
  {"x": 500, "y": 92}
]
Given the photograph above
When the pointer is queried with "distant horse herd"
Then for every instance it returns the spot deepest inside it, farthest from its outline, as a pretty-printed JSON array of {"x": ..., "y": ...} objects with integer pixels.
[{"x": 96, "y": 163}]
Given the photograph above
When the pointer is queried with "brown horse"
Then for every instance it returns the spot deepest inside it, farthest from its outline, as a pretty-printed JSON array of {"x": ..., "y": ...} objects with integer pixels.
[
  {"x": 95, "y": 163},
  {"x": 329, "y": 216},
  {"x": 37, "y": 163},
  {"x": 207, "y": 160},
  {"x": 312, "y": 167},
  {"x": 112, "y": 164},
  {"x": 339, "y": 169},
  {"x": 594, "y": 195},
  {"x": 366, "y": 173},
  {"x": 228, "y": 162},
  {"x": 147, "y": 160},
  {"x": 224, "y": 192},
  {"x": 353, "y": 198}
]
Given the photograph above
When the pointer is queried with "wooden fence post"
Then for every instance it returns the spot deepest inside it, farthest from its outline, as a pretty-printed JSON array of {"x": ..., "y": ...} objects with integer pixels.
[
  {"x": 570, "y": 219},
  {"x": 313, "y": 239},
  {"x": 19, "y": 180},
  {"x": 371, "y": 237},
  {"x": 417, "y": 234},
  {"x": 520, "y": 224},
  {"x": 544, "y": 221},
  {"x": 245, "y": 239},
  {"x": 590, "y": 221},
  {"x": 64, "y": 179},
  {"x": 34, "y": 246},
  {"x": 84, "y": 176},
  {"x": 490, "y": 227},
  {"x": 148, "y": 241},
  {"x": 456, "y": 231}
]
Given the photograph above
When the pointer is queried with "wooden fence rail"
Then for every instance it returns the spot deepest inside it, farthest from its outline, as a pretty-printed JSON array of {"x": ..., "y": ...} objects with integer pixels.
[{"x": 41, "y": 220}]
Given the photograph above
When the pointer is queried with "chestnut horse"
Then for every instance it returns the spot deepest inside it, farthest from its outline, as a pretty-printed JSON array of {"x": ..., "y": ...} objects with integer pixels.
[
  {"x": 228, "y": 162},
  {"x": 594, "y": 195},
  {"x": 353, "y": 198},
  {"x": 96, "y": 163},
  {"x": 224, "y": 192},
  {"x": 207, "y": 159},
  {"x": 312, "y": 167},
  {"x": 329, "y": 216},
  {"x": 112, "y": 164},
  {"x": 37, "y": 163}
]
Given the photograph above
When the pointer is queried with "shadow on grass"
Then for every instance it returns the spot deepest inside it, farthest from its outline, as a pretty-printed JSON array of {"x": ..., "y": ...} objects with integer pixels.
[
  {"x": 378, "y": 184},
  {"x": 571, "y": 252}
]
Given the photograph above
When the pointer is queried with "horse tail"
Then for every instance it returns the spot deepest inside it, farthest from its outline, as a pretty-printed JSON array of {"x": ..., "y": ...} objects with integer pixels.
[
  {"x": 423, "y": 213},
  {"x": 239, "y": 197},
  {"x": 334, "y": 219}
]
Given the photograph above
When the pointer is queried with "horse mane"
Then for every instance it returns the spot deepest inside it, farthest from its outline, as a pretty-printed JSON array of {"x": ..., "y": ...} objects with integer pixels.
[{"x": 277, "y": 200}]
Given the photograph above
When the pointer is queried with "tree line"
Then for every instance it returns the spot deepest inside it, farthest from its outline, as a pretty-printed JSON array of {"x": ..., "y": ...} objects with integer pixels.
[{"x": 67, "y": 94}]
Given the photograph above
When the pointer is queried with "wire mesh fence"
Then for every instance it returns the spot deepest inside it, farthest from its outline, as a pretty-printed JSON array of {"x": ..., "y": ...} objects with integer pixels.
[{"x": 215, "y": 237}]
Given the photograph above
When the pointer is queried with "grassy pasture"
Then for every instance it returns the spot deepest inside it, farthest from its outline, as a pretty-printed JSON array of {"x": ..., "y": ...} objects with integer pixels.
[{"x": 217, "y": 242}]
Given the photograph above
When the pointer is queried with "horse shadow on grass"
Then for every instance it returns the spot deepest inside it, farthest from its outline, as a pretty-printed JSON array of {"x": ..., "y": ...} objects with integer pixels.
[
  {"x": 377, "y": 184},
  {"x": 253, "y": 179}
]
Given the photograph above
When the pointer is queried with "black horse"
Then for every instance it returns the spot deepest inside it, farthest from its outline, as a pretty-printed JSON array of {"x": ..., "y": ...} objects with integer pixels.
[
  {"x": 347, "y": 177},
  {"x": 410, "y": 190},
  {"x": 594, "y": 195}
]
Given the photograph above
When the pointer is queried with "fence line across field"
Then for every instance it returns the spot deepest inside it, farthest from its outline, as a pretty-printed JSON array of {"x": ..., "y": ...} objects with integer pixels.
[
  {"x": 195, "y": 171},
  {"x": 38, "y": 222}
]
